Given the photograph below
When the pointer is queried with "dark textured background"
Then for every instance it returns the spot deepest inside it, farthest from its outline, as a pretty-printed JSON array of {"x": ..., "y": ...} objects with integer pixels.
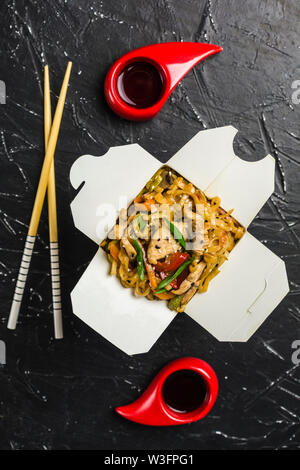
[{"x": 61, "y": 394}]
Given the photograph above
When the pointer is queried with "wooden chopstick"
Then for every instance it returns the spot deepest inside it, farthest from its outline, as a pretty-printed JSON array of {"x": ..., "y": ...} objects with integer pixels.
[
  {"x": 38, "y": 204},
  {"x": 52, "y": 216}
]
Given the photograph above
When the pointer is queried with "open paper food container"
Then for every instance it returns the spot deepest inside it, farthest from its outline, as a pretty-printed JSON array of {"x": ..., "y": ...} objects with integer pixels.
[{"x": 251, "y": 283}]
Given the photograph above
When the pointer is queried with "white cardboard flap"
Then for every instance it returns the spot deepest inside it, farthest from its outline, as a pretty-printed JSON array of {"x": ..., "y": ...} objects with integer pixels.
[
  {"x": 251, "y": 283},
  {"x": 131, "y": 323},
  {"x": 244, "y": 187},
  {"x": 203, "y": 157},
  {"x": 121, "y": 173},
  {"x": 276, "y": 288},
  {"x": 209, "y": 162}
]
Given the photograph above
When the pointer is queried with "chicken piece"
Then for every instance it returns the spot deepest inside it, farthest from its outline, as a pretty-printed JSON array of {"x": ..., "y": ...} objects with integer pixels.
[
  {"x": 114, "y": 233},
  {"x": 125, "y": 243},
  {"x": 161, "y": 247},
  {"x": 189, "y": 294},
  {"x": 191, "y": 280},
  {"x": 192, "y": 229},
  {"x": 123, "y": 216}
]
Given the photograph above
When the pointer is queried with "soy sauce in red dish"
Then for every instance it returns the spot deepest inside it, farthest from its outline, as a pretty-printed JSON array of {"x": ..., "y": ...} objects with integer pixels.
[
  {"x": 140, "y": 84},
  {"x": 184, "y": 391}
]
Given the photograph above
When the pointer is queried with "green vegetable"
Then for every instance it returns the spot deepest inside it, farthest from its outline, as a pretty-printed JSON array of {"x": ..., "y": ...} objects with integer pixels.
[
  {"x": 173, "y": 276},
  {"x": 160, "y": 291},
  {"x": 174, "y": 303},
  {"x": 141, "y": 223},
  {"x": 176, "y": 233},
  {"x": 110, "y": 258},
  {"x": 154, "y": 182},
  {"x": 139, "y": 259}
]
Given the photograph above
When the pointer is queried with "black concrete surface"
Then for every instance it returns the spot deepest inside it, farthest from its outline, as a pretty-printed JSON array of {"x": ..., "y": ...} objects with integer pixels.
[{"x": 61, "y": 394}]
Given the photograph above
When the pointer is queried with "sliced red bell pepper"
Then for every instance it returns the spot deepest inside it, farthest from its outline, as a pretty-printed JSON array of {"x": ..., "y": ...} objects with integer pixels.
[{"x": 172, "y": 262}]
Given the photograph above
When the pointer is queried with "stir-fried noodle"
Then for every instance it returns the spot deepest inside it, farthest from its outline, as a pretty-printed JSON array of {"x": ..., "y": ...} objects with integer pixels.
[{"x": 171, "y": 241}]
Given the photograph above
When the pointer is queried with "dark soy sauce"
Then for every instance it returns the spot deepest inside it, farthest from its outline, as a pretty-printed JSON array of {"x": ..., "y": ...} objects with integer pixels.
[
  {"x": 140, "y": 84},
  {"x": 184, "y": 391}
]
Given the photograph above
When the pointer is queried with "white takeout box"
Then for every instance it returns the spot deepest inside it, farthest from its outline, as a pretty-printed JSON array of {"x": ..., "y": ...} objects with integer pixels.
[{"x": 251, "y": 283}]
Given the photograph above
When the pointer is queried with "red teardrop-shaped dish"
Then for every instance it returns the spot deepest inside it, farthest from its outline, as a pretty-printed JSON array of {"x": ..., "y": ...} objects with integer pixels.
[
  {"x": 172, "y": 60},
  {"x": 151, "y": 408}
]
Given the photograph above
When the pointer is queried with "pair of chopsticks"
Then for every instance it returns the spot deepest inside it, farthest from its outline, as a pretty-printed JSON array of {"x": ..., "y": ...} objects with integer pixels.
[{"x": 47, "y": 179}]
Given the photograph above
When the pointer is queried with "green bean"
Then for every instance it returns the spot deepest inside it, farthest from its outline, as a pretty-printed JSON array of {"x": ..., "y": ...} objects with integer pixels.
[
  {"x": 141, "y": 223},
  {"x": 160, "y": 291},
  {"x": 173, "y": 276},
  {"x": 139, "y": 259},
  {"x": 176, "y": 233},
  {"x": 154, "y": 182}
]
